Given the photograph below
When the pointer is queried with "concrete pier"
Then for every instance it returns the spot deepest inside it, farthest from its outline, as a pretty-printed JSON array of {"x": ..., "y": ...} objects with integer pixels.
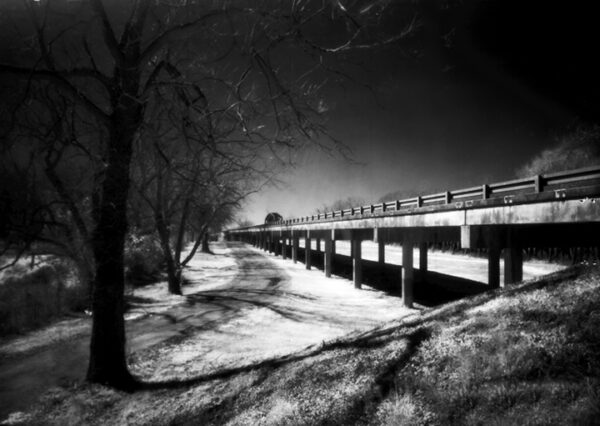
[
  {"x": 328, "y": 256},
  {"x": 295, "y": 246},
  {"x": 357, "y": 262},
  {"x": 423, "y": 257},
  {"x": 307, "y": 251},
  {"x": 513, "y": 265},
  {"x": 284, "y": 248},
  {"x": 494, "y": 267},
  {"x": 408, "y": 274}
]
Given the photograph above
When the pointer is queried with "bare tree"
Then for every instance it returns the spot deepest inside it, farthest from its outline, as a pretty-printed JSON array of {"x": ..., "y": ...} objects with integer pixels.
[{"x": 107, "y": 58}]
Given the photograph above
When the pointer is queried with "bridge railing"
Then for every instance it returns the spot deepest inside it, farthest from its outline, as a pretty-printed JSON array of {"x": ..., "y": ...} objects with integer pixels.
[{"x": 552, "y": 182}]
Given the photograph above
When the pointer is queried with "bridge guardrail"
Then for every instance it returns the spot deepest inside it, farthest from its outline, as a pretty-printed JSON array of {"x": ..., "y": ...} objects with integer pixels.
[{"x": 551, "y": 182}]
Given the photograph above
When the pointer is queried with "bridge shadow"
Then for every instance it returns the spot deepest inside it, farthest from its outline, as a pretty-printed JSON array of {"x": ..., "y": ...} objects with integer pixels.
[{"x": 431, "y": 288}]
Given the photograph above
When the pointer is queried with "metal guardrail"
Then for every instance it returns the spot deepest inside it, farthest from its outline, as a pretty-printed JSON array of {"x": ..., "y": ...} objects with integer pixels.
[{"x": 551, "y": 182}]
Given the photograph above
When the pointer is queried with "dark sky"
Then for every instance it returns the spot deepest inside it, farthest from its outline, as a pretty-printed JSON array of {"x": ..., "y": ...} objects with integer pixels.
[{"x": 480, "y": 89}]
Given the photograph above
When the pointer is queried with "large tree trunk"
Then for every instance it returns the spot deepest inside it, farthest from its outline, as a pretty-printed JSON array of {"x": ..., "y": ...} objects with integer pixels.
[
  {"x": 205, "y": 246},
  {"x": 108, "y": 364},
  {"x": 173, "y": 270}
]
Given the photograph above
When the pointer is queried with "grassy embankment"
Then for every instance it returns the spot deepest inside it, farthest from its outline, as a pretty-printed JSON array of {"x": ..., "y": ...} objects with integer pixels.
[{"x": 524, "y": 355}]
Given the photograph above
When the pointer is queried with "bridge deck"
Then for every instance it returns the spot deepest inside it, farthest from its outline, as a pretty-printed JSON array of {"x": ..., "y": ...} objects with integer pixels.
[{"x": 554, "y": 210}]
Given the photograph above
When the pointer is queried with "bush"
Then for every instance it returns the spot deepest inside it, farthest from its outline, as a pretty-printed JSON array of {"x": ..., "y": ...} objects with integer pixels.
[
  {"x": 579, "y": 148},
  {"x": 31, "y": 299},
  {"x": 143, "y": 259}
]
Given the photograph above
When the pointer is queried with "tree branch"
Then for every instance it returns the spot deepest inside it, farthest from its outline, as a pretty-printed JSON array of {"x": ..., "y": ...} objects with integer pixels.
[
  {"x": 107, "y": 32},
  {"x": 59, "y": 80}
]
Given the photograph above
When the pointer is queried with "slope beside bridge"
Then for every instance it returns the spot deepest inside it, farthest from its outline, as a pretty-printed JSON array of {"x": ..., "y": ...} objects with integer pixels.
[{"x": 552, "y": 210}]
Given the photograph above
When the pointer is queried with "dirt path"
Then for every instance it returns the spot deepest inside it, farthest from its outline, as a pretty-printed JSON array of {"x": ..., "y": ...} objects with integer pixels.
[{"x": 271, "y": 308}]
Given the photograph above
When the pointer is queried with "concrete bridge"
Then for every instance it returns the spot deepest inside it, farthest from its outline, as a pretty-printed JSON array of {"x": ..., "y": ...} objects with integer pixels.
[{"x": 552, "y": 210}]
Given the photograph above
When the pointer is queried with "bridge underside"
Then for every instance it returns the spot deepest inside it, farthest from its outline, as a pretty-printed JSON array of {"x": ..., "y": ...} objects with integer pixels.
[{"x": 502, "y": 230}]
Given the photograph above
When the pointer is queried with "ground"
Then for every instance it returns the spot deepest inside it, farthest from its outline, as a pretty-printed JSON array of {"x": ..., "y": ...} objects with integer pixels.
[{"x": 259, "y": 340}]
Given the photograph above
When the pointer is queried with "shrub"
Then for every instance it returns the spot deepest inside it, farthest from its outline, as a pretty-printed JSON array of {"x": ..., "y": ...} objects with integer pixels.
[
  {"x": 31, "y": 299},
  {"x": 143, "y": 259}
]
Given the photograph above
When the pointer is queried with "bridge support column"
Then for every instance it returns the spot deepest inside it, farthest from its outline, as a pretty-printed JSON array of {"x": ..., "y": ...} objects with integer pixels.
[
  {"x": 332, "y": 247},
  {"x": 357, "y": 262},
  {"x": 318, "y": 245},
  {"x": 513, "y": 265},
  {"x": 423, "y": 258},
  {"x": 494, "y": 267},
  {"x": 284, "y": 248},
  {"x": 328, "y": 257},
  {"x": 307, "y": 250},
  {"x": 408, "y": 274},
  {"x": 295, "y": 244},
  {"x": 381, "y": 251}
]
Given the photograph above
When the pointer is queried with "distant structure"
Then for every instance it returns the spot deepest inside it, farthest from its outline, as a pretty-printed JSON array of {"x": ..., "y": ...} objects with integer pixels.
[{"x": 273, "y": 217}]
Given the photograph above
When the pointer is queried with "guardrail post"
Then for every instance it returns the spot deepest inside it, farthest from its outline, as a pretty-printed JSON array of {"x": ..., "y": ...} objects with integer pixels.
[
  {"x": 538, "y": 183},
  {"x": 447, "y": 197},
  {"x": 485, "y": 192},
  {"x": 408, "y": 273},
  {"x": 356, "y": 262},
  {"x": 494, "y": 267},
  {"x": 328, "y": 256},
  {"x": 307, "y": 250}
]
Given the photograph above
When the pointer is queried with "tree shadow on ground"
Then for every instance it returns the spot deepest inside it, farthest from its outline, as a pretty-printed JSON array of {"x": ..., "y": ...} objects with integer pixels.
[
  {"x": 371, "y": 339},
  {"x": 417, "y": 328}
]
